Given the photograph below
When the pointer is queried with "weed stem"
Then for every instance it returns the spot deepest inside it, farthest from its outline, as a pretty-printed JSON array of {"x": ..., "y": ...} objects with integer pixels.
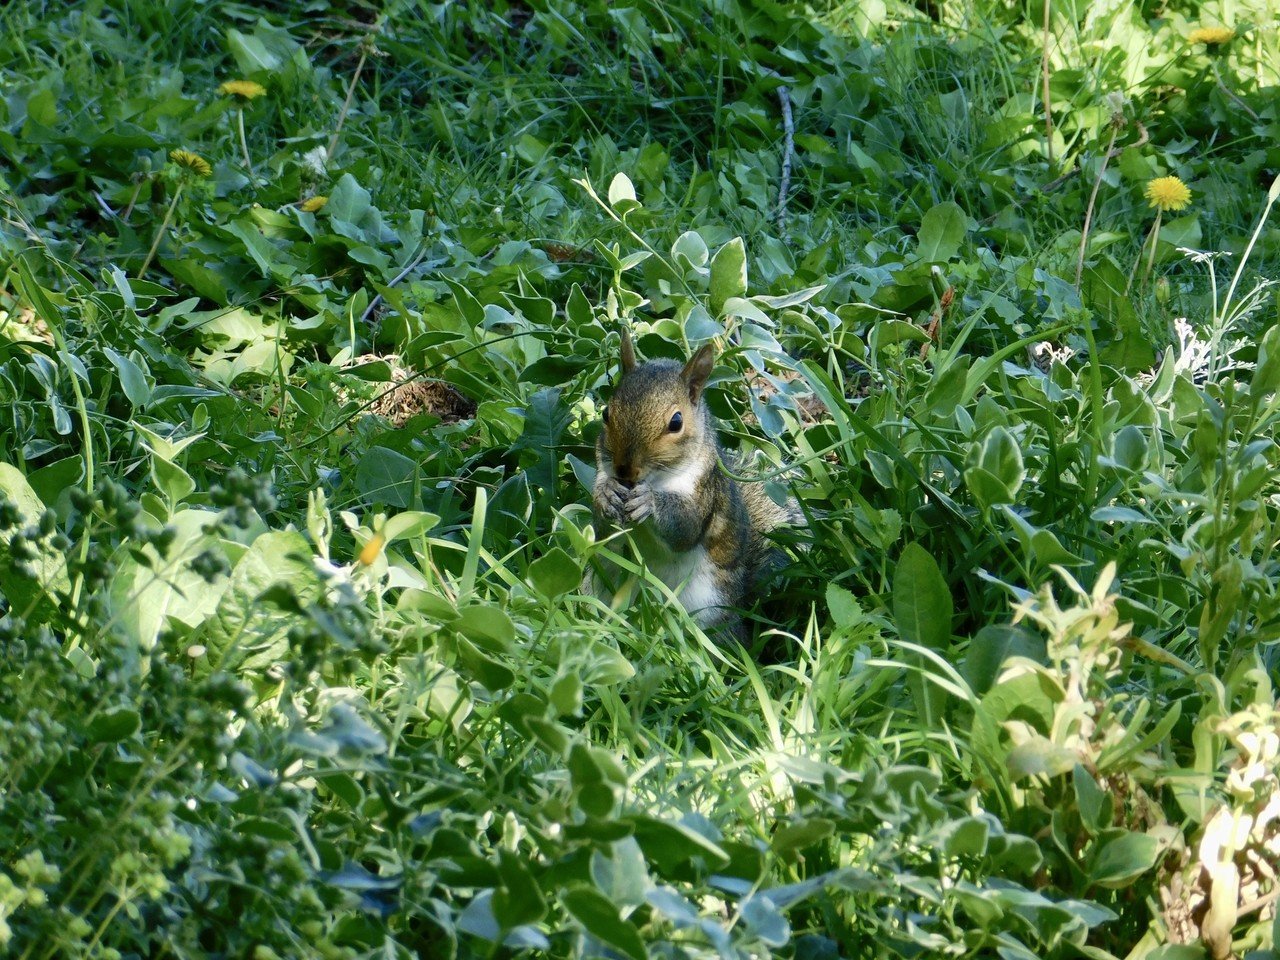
[
  {"x": 1044, "y": 77},
  {"x": 244, "y": 146},
  {"x": 1093, "y": 199},
  {"x": 1230, "y": 95},
  {"x": 155, "y": 244},
  {"x": 346, "y": 104},
  {"x": 1152, "y": 237}
]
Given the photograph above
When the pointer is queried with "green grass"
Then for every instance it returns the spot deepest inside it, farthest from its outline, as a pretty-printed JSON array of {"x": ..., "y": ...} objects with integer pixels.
[{"x": 281, "y": 677}]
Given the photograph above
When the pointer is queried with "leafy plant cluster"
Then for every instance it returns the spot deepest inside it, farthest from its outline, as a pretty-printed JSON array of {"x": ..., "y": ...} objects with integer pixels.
[{"x": 306, "y": 323}]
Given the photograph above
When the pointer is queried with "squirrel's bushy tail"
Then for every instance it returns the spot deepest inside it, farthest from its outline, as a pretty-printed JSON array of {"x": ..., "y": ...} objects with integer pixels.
[{"x": 766, "y": 515}]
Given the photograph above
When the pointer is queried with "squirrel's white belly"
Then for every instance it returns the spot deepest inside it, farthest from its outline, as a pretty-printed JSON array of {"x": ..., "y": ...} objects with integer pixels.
[{"x": 690, "y": 574}]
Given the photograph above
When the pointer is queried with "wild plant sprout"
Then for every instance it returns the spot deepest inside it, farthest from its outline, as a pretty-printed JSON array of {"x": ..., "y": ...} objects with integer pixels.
[
  {"x": 244, "y": 91},
  {"x": 186, "y": 168}
]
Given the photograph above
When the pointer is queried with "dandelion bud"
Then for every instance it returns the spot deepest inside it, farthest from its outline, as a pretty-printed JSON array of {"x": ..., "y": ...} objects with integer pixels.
[
  {"x": 1162, "y": 291},
  {"x": 372, "y": 549}
]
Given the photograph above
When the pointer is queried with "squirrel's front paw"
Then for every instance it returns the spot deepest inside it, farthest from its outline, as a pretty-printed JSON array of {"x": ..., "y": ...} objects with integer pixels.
[
  {"x": 612, "y": 500},
  {"x": 640, "y": 503}
]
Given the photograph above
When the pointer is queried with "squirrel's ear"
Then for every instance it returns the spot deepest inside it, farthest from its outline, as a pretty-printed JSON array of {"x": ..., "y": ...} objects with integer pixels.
[
  {"x": 628, "y": 352},
  {"x": 697, "y": 370}
]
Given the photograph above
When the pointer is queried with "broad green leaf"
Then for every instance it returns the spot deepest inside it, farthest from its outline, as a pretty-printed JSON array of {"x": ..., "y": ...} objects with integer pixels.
[
  {"x": 744, "y": 308},
  {"x": 606, "y": 666},
  {"x": 794, "y": 837},
  {"x": 578, "y": 309},
  {"x": 351, "y": 733},
  {"x": 922, "y": 606},
  {"x": 133, "y": 379},
  {"x": 142, "y": 602},
  {"x": 271, "y": 260},
  {"x": 269, "y": 49},
  {"x": 967, "y": 837},
  {"x": 553, "y": 736},
  {"x": 1124, "y": 343},
  {"x": 555, "y": 573},
  {"x": 991, "y": 646},
  {"x": 349, "y": 202},
  {"x": 52, "y": 481},
  {"x": 171, "y": 480},
  {"x": 233, "y": 328},
  {"x": 408, "y": 525},
  {"x": 844, "y": 607},
  {"x": 353, "y": 876},
  {"x": 620, "y": 873},
  {"x": 599, "y": 917},
  {"x": 50, "y": 567},
  {"x": 1266, "y": 377},
  {"x": 246, "y": 630},
  {"x": 251, "y": 53},
  {"x": 519, "y": 900},
  {"x": 1129, "y": 448},
  {"x": 995, "y": 472},
  {"x": 547, "y": 417},
  {"x": 766, "y": 920},
  {"x": 165, "y": 448},
  {"x": 1179, "y": 232},
  {"x": 267, "y": 829},
  {"x": 488, "y": 627},
  {"x": 728, "y": 275},
  {"x": 941, "y": 232},
  {"x": 891, "y": 330},
  {"x": 948, "y": 386},
  {"x": 690, "y": 246},
  {"x": 621, "y": 189},
  {"x": 669, "y": 844},
  {"x": 566, "y": 694},
  {"x": 387, "y": 476},
  {"x": 114, "y": 724},
  {"x": 1000, "y": 455},
  {"x": 1092, "y": 802},
  {"x": 1117, "y": 862},
  {"x": 479, "y": 666}
]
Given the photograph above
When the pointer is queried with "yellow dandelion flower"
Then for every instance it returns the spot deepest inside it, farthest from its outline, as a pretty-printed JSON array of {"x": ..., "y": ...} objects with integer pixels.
[
  {"x": 372, "y": 550},
  {"x": 1213, "y": 36},
  {"x": 1167, "y": 193},
  {"x": 242, "y": 88},
  {"x": 312, "y": 204},
  {"x": 191, "y": 161}
]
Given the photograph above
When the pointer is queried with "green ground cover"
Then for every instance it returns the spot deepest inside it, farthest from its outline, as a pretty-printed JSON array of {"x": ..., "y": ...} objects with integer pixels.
[{"x": 300, "y": 381}]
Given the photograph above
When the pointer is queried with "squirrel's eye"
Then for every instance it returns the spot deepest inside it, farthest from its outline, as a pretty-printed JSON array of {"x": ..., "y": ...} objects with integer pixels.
[
  {"x": 677, "y": 421},
  {"x": 604, "y": 414}
]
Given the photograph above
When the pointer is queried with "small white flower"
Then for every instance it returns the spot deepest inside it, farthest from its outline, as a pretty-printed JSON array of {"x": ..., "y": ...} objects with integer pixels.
[
  {"x": 1115, "y": 101},
  {"x": 315, "y": 160}
]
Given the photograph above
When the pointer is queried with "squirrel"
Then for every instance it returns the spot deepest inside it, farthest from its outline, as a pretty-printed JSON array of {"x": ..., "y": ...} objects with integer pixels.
[{"x": 658, "y": 460}]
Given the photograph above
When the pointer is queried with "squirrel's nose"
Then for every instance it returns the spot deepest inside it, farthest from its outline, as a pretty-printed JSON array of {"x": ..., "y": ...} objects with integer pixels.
[{"x": 626, "y": 474}]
